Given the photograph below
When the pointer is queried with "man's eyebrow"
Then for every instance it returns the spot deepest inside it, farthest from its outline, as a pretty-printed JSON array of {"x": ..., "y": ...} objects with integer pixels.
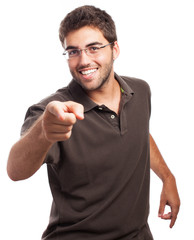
[
  {"x": 94, "y": 43},
  {"x": 70, "y": 47},
  {"x": 88, "y": 45}
]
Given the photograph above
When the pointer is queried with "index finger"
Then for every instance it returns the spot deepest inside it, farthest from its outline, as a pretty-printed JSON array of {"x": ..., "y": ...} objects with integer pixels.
[
  {"x": 59, "y": 109},
  {"x": 174, "y": 214},
  {"x": 75, "y": 108}
]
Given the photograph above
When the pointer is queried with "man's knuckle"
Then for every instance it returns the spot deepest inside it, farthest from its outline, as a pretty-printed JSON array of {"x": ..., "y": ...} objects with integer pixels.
[
  {"x": 71, "y": 119},
  {"x": 67, "y": 135},
  {"x": 68, "y": 128},
  {"x": 51, "y": 104}
]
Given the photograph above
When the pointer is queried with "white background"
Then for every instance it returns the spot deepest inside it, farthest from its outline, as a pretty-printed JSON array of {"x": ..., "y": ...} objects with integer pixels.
[{"x": 157, "y": 44}]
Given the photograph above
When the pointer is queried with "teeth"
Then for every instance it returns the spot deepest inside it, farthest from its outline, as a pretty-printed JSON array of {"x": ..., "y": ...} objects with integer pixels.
[{"x": 88, "y": 71}]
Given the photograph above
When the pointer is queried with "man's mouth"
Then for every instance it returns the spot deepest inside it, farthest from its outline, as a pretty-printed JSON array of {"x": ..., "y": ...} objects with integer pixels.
[{"x": 88, "y": 72}]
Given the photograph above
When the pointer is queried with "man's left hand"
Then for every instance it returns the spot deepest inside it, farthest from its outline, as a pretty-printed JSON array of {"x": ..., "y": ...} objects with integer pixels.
[{"x": 169, "y": 196}]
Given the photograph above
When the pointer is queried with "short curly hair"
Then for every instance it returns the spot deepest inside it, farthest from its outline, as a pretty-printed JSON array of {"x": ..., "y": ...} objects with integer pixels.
[{"x": 88, "y": 16}]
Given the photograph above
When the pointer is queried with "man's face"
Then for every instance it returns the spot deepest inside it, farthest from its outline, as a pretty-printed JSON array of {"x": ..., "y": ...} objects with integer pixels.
[{"x": 91, "y": 72}]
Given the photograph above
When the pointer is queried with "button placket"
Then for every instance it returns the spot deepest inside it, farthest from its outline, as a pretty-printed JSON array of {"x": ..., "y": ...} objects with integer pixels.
[{"x": 109, "y": 115}]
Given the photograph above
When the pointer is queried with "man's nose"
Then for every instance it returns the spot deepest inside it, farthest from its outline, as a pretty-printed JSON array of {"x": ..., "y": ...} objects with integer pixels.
[{"x": 84, "y": 58}]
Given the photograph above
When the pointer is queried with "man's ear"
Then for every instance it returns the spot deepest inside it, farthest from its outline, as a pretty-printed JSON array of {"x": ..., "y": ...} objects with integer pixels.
[{"x": 116, "y": 50}]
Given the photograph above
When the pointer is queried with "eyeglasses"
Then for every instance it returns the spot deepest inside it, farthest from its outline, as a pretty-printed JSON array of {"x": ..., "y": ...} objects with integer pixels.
[{"x": 90, "y": 51}]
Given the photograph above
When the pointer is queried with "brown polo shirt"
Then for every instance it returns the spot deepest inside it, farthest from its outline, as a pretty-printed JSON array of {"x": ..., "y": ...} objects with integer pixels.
[{"x": 99, "y": 178}]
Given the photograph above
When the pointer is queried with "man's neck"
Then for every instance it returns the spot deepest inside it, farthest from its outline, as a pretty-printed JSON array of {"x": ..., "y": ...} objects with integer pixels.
[{"x": 109, "y": 95}]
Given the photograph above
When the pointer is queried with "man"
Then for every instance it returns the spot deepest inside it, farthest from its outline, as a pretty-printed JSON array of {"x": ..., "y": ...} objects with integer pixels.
[{"x": 94, "y": 137}]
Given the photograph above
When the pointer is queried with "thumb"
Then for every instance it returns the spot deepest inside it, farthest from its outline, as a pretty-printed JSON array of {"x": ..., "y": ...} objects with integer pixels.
[
  {"x": 161, "y": 208},
  {"x": 75, "y": 108}
]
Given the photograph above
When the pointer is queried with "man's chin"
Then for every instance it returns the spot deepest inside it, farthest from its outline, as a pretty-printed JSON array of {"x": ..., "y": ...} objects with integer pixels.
[{"x": 88, "y": 85}]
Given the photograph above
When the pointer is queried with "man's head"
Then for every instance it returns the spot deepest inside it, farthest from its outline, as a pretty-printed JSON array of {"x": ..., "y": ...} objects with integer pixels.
[
  {"x": 88, "y": 16},
  {"x": 89, "y": 38}
]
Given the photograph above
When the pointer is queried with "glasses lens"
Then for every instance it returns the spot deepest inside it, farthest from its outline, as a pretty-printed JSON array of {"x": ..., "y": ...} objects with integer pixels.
[
  {"x": 73, "y": 53},
  {"x": 92, "y": 50}
]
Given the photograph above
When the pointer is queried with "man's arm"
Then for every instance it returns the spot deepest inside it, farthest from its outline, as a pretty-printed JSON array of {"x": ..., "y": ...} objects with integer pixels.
[
  {"x": 55, "y": 124},
  {"x": 169, "y": 195}
]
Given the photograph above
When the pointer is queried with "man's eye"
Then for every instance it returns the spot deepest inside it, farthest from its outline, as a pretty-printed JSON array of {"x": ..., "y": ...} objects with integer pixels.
[
  {"x": 94, "y": 49},
  {"x": 73, "y": 52}
]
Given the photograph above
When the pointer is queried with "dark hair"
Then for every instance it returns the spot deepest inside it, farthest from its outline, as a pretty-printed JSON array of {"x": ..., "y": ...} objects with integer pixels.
[{"x": 88, "y": 16}]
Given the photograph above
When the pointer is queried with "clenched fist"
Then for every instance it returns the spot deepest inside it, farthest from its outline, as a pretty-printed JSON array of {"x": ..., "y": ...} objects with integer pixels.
[{"x": 59, "y": 118}]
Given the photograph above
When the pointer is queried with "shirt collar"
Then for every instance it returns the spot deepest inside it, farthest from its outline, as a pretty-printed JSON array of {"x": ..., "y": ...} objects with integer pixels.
[
  {"x": 81, "y": 97},
  {"x": 125, "y": 88}
]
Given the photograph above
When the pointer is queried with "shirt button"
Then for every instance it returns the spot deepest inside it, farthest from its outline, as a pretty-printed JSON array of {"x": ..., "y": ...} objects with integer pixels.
[
  {"x": 100, "y": 108},
  {"x": 112, "y": 116}
]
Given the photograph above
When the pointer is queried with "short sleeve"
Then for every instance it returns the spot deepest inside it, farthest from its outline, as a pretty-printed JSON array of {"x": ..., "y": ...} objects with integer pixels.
[{"x": 32, "y": 114}]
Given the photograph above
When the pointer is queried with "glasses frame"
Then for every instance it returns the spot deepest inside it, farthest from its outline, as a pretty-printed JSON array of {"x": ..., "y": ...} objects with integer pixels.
[{"x": 85, "y": 50}]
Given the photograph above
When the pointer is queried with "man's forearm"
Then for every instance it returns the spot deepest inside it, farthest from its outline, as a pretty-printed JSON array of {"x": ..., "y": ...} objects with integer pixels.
[
  {"x": 54, "y": 125},
  {"x": 169, "y": 195},
  {"x": 27, "y": 155},
  {"x": 157, "y": 162}
]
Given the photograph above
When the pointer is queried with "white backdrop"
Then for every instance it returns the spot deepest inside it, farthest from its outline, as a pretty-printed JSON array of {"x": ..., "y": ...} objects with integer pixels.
[{"x": 157, "y": 44}]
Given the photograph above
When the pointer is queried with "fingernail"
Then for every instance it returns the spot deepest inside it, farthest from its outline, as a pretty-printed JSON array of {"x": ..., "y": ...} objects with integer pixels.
[{"x": 81, "y": 115}]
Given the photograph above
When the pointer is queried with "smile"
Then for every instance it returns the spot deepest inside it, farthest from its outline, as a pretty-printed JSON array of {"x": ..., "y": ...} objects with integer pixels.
[{"x": 87, "y": 72}]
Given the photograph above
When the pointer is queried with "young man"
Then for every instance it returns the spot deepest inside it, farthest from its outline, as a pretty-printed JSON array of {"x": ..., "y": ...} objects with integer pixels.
[{"x": 94, "y": 137}]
